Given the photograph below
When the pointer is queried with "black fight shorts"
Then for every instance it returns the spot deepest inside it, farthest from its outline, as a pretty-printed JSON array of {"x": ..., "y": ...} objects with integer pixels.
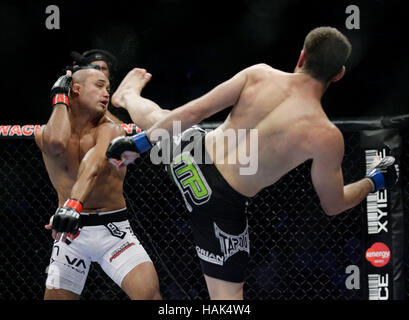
[{"x": 218, "y": 212}]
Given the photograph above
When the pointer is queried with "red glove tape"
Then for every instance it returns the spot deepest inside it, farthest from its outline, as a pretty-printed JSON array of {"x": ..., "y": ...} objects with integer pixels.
[
  {"x": 72, "y": 203},
  {"x": 60, "y": 98}
]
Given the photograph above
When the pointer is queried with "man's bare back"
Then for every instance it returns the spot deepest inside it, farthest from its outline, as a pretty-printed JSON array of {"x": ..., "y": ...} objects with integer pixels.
[{"x": 289, "y": 123}]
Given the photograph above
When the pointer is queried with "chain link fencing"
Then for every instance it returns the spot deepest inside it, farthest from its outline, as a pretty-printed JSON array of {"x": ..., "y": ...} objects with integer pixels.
[{"x": 297, "y": 252}]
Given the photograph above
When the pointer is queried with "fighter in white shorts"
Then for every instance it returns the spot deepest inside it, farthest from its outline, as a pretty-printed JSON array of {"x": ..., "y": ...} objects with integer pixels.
[
  {"x": 90, "y": 224},
  {"x": 106, "y": 238}
]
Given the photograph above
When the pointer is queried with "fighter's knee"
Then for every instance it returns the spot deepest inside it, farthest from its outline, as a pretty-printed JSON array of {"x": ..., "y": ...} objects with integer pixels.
[
  {"x": 142, "y": 283},
  {"x": 155, "y": 293},
  {"x": 146, "y": 292},
  {"x": 151, "y": 289}
]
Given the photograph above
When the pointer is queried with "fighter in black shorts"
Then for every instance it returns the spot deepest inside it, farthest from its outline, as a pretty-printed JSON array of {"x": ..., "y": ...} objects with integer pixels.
[
  {"x": 218, "y": 218},
  {"x": 284, "y": 125}
]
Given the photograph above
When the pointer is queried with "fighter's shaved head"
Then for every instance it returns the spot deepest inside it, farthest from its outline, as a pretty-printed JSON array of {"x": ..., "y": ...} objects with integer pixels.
[{"x": 81, "y": 75}]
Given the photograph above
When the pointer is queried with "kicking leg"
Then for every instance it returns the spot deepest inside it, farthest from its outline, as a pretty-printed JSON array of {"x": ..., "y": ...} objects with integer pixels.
[{"x": 144, "y": 112}]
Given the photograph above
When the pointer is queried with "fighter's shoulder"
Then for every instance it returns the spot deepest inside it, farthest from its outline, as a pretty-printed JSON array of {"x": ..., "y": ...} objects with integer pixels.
[
  {"x": 260, "y": 67},
  {"x": 111, "y": 127},
  {"x": 327, "y": 137},
  {"x": 261, "y": 71}
]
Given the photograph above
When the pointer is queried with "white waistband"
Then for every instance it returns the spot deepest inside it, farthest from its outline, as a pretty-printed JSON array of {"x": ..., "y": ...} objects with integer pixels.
[{"x": 102, "y": 213}]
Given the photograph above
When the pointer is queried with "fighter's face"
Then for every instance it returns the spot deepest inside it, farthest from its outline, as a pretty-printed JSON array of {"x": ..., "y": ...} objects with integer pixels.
[
  {"x": 103, "y": 67},
  {"x": 94, "y": 93}
]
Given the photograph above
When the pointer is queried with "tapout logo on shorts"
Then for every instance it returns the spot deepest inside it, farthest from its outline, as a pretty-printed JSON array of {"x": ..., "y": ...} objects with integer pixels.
[
  {"x": 378, "y": 255},
  {"x": 231, "y": 244}
]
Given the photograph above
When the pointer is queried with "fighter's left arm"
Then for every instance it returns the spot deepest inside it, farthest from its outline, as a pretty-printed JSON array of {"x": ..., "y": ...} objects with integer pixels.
[{"x": 327, "y": 176}]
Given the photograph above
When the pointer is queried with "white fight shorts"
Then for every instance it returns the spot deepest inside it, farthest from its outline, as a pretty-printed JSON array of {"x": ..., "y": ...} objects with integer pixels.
[{"x": 105, "y": 238}]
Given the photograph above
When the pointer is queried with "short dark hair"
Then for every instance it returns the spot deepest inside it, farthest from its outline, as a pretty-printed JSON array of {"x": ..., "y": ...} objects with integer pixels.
[{"x": 326, "y": 51}]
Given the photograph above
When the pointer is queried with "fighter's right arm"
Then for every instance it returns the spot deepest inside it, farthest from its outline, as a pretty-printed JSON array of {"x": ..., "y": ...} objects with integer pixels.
[
  {"x": 327, "y": 177},
  {"x": 52, "y": 138}
]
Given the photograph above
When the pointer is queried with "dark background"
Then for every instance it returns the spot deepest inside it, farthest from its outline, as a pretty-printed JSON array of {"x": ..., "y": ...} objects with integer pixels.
[{"x": 191, "y": 46}]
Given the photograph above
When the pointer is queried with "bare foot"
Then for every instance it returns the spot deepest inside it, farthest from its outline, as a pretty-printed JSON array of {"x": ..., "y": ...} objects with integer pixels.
[{"x": 132, "y": 84}]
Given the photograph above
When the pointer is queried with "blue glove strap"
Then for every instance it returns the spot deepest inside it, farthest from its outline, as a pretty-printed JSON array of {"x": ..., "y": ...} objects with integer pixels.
[
  {"x": 141, "y": 141},
  {"x": 377, "y": 178}
]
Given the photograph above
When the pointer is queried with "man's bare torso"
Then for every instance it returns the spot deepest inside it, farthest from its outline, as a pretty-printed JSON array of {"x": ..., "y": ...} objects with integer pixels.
[
  {"x": 107, "y": 195},
  {"x": 289, "y": 121}
]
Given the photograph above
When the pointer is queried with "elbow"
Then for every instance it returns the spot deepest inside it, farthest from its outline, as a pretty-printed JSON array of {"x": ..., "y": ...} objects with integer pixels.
[
  {"x": 55, "y": 146},
  {"x": 331, "y": 210}
]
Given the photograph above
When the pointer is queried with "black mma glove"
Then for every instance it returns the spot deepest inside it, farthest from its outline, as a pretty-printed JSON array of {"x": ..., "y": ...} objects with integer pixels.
[
  {"x": 383, "y": 175},
  {"x": 67, "y": 218},
  {"x": 60, "y": 91},
  {"x": 138, "y": 143}
]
